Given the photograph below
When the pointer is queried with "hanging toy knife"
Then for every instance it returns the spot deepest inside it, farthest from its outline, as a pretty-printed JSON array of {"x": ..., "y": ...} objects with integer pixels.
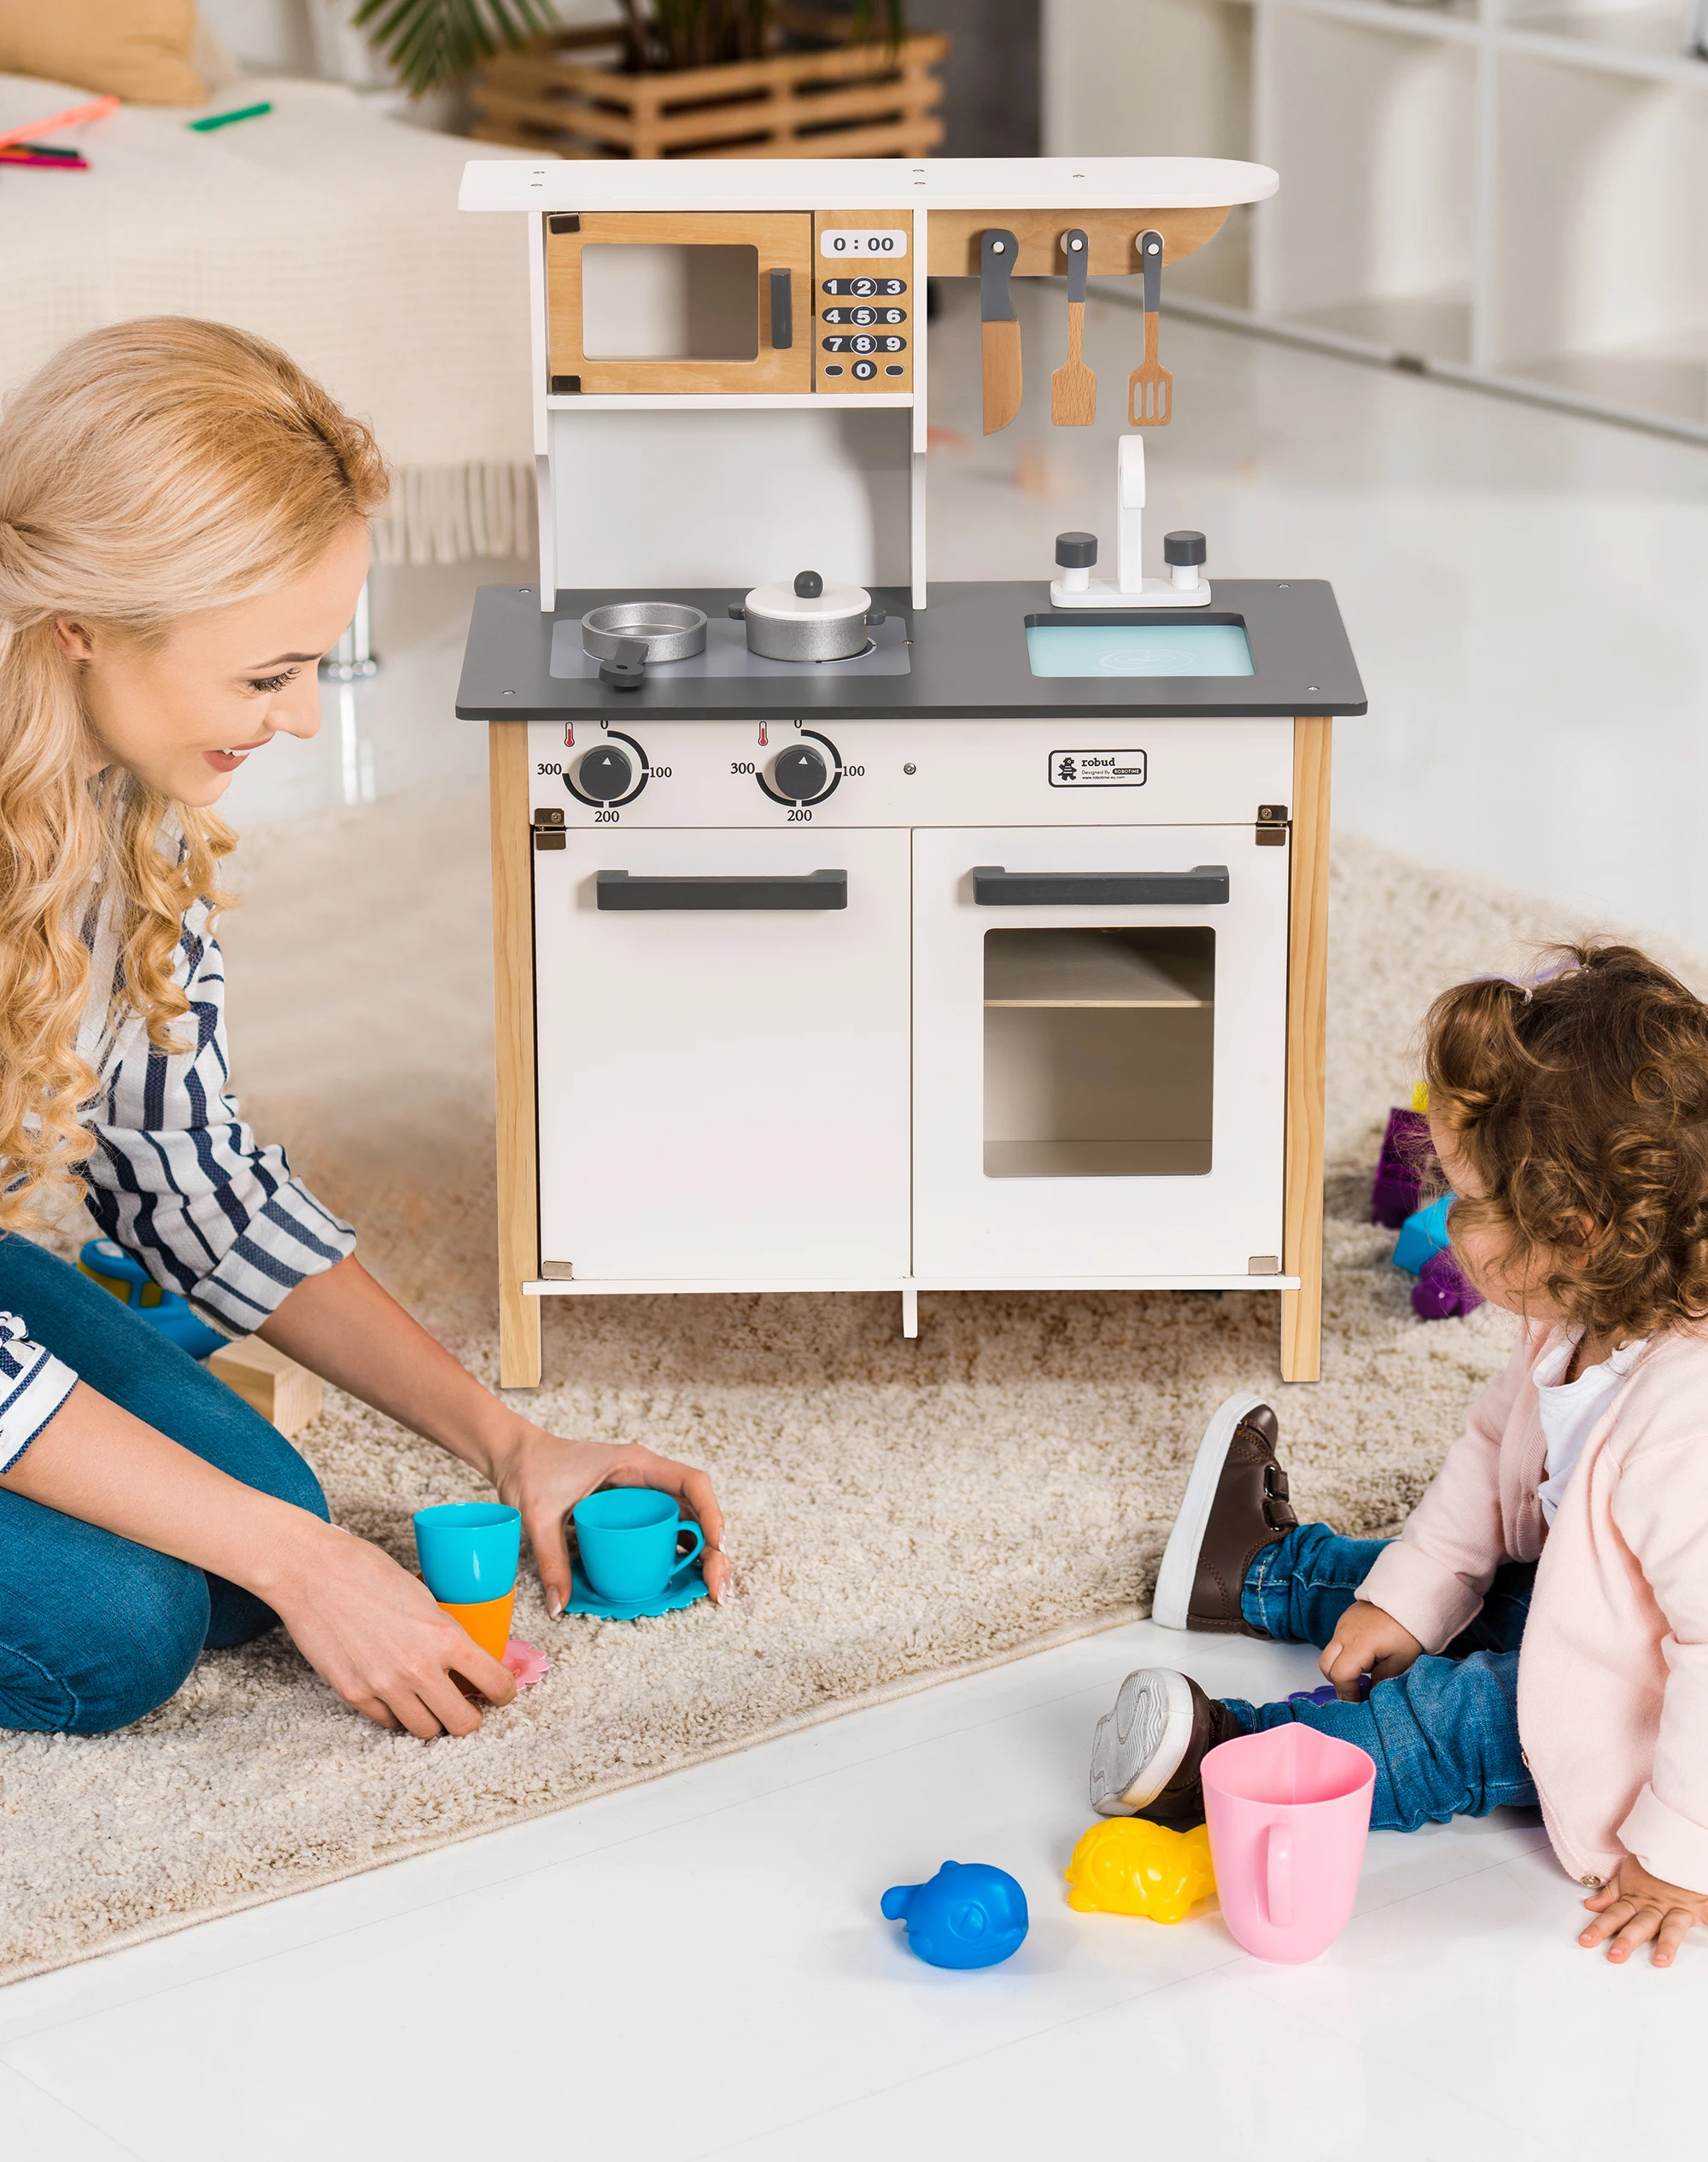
[{"x": 1150, "y": 387}]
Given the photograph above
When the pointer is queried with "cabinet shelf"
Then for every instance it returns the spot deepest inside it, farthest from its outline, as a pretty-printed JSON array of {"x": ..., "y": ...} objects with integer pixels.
[
  {"x": 1513, "y": 191},
  {"x": 1091, "y": 968}
]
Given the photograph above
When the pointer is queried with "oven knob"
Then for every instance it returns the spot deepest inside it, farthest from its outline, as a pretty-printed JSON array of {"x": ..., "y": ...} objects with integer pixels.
[
  {"x": 606, "y": 773},
  {"x": 800, "y": 774}
]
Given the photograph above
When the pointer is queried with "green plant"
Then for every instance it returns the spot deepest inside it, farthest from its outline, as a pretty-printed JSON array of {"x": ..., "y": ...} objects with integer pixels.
[{"x": 430, "y": 41}]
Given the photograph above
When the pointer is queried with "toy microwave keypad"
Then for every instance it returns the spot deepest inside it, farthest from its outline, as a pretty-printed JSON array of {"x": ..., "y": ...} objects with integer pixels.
[{"x": 854, "y": 933}]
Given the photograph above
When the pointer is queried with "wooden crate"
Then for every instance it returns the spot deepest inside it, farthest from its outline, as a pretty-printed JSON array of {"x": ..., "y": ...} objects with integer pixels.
[{"x": 819, "y": 97}]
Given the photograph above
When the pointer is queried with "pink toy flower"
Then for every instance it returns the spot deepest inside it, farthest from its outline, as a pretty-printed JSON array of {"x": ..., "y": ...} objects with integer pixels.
[{"x": 526, "y": 1662}]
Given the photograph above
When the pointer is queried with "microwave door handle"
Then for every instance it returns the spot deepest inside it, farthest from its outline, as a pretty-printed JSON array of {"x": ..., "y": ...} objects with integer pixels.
[
  {"x": 782, "y": 311},
  {"x": 1206, "y": 885},
  {"x": 626, "y": 889}
]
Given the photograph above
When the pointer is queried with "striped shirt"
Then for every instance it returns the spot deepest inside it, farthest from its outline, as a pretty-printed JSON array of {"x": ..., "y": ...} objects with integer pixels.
[{"x": 176, "y": 1176}]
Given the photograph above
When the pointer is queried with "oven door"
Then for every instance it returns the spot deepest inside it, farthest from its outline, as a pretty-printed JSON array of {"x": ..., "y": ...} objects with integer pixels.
[
  {"x": 723, "y": 1045},
  {"x": 1099, "y": 1052}
]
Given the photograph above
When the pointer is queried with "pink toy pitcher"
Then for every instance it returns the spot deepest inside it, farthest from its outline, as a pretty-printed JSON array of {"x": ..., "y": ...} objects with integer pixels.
[{"x": 1289, "y": 1812}]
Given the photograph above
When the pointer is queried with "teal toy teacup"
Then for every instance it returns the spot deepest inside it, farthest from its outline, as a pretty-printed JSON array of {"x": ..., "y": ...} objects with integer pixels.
[
  {"x": 628, "y": 1537},
  {"x": 469, "y": 1550}
]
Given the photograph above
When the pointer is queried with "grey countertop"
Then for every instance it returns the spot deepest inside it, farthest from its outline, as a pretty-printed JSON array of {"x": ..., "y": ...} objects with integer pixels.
[{"x": 966, "y": 660}]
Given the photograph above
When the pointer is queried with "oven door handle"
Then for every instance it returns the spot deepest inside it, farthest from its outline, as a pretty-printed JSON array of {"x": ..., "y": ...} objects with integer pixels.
[
  {"x": 1206, "y": 885},
  {"x": 796, "y": 889}
]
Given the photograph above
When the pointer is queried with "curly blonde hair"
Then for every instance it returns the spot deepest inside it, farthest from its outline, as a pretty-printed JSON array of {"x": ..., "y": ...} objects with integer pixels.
[
  {"x": 147, "y": 471},
  {"x": 1581, "y": 1099}
]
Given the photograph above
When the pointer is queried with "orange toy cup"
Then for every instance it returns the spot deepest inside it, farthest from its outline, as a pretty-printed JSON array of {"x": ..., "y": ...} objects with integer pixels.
[{"x": 488, "y": 1622}]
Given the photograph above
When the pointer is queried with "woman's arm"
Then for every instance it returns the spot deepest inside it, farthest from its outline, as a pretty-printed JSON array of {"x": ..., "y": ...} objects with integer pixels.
[
  {"x": 345, "y": 1327},
  {"x": 363, "y": 1623}
]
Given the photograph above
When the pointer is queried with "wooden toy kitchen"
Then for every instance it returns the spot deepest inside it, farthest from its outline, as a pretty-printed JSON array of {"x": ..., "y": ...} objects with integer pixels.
[{"x": 854, "y": 933}]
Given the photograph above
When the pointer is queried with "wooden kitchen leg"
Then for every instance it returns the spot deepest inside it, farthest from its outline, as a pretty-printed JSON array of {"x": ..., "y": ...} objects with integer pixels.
[
  {"x": 512, "y": 978},
  {"x": 1307, "y": 964}
]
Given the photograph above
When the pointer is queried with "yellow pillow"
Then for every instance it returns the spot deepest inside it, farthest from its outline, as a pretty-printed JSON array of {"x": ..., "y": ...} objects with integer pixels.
[{"x": 136, "y": 48}]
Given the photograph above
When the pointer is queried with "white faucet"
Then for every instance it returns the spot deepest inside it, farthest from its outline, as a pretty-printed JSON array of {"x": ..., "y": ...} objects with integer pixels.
[
  {"x": 1129, "y": 513},
  {"x": 1073, "y": 585}
]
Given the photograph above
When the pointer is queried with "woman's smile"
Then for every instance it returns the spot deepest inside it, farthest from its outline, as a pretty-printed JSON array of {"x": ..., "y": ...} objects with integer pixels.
[{"x": 227, "y": 762}]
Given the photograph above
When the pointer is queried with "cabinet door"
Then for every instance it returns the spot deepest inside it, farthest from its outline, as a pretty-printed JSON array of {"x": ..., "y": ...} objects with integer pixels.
[
  {"x": 1098, "y": 1078},
  {"x": 724, "y": 1091},
  {"x": 705, "y": 301}
]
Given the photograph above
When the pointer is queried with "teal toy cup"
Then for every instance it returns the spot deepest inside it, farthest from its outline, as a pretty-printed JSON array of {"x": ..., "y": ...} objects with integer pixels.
[
  {"x": 469, "y": 1550},
  {"x": 628, "y": 1537}
]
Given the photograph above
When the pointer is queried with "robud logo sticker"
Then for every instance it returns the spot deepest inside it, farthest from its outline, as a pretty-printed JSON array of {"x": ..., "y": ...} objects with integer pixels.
[{"x": 1097, "y": 769}]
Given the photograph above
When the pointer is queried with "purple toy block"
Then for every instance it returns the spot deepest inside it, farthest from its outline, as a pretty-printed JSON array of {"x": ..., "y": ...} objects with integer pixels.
[
  {"x": 1442, "y": 1288},
  {"x": 1406, "y": 1154}
]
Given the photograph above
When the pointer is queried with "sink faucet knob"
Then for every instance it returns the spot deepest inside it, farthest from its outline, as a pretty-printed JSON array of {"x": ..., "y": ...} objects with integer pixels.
[
  {"x": 1075, "y": 553},
  {"x": 1183, "y": 553}
]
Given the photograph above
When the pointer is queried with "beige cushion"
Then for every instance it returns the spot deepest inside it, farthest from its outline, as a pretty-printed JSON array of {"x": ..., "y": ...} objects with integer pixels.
[{"x": 138, "y": 50}]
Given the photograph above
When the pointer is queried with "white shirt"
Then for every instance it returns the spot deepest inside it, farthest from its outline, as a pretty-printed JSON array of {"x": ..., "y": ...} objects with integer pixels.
[{"x": 1570, "y": 1409}]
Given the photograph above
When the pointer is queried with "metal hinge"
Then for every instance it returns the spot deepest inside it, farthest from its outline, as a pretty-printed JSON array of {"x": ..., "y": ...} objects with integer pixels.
[
  {"x": 548, "y": 829},
  {"x": 1272, "y": 825}
]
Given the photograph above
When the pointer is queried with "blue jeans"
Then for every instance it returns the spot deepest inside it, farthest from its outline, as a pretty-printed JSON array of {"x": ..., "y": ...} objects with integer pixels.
[
  {"x": 94, "y": 1629},
  {"x": 1444, "y": 1734}
]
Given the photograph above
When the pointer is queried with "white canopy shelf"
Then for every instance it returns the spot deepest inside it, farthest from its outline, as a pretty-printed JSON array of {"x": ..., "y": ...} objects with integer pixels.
[{"x": 877, "y": 184}]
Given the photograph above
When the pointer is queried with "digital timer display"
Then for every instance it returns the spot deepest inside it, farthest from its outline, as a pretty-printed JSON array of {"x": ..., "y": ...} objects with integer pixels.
[{"x": 845, "y": 244}]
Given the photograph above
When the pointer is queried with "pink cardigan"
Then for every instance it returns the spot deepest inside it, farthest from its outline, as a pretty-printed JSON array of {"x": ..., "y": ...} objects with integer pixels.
[{"x": 1613, "y": 1675}]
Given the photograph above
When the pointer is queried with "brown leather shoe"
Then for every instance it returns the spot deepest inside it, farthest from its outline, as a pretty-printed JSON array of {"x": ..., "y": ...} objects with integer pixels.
[
  {"x": 1236, "y": 1505},
  {"x": 1147, "y": 1751}
]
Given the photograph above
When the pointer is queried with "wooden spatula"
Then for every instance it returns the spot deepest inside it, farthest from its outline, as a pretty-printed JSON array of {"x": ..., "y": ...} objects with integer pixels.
[
  {"x": 1150, "y": 387},
  {"x": 1074, "y": 387},
  {"x": 999, "y": 328}
]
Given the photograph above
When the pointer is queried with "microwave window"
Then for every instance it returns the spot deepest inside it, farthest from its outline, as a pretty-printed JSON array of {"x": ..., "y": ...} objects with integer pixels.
[{"x": 669, "y": 303}]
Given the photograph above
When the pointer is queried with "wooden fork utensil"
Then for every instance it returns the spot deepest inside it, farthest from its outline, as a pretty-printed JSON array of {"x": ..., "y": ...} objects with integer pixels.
[{"x": 1150, "y": 387}]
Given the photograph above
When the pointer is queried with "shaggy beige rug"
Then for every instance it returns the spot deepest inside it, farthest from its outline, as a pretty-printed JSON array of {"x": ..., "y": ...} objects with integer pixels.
[{"x": 899, "y": 1510}]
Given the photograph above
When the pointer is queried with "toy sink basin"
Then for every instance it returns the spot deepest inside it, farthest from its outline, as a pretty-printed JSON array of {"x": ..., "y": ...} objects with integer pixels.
[{"x": 1138, "y": 649}]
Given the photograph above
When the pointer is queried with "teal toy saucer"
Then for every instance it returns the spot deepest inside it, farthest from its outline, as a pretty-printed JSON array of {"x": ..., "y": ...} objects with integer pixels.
[{"x": 682, "y": 1590}]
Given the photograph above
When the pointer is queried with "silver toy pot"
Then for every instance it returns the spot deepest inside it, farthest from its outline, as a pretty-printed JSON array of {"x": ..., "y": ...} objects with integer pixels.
[{"x": 808, "y": 620}]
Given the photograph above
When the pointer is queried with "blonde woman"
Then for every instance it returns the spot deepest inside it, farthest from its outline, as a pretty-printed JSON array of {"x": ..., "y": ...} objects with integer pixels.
[{"x": 183, "y": 533}]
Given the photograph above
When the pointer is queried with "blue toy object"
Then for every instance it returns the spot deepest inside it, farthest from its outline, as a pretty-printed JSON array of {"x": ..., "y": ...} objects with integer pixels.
[
  {"x": 1422, "y": 1236},
  {"x": 1328, "y": 1694},
  {"x": 968, "y": 1914},
  {"x": 108, "y": 1265},
  {"x": 685, "y": 1585}
]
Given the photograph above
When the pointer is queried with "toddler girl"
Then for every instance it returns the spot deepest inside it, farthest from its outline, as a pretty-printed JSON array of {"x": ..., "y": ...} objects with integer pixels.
[{"x": 1571, "y": 1118}]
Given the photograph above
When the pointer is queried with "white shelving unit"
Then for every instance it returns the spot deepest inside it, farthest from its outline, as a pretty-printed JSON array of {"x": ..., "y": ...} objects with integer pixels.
[{"x": 1502, "y": 191}]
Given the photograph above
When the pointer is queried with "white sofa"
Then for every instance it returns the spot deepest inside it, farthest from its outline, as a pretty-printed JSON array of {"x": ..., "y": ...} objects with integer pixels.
[{"x": 327, "y": 225}]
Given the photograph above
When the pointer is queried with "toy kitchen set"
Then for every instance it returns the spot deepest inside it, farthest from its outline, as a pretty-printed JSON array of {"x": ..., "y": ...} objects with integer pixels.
[{"x": 852, "y": 933}]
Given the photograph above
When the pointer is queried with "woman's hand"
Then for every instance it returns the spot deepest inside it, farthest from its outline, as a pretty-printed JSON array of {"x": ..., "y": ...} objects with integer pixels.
[
  {"x": 374, "y": 1633},
  {"x": 1367, "y": 1640},
  {"x": 544, "y": 1476},
  {"x": 1636, "y": 1908}
]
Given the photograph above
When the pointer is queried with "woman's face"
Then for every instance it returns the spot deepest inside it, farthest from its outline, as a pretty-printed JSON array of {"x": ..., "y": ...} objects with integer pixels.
[
  {"x": 184, "y": 714},
  {"x": 1485, "y": 1251}
]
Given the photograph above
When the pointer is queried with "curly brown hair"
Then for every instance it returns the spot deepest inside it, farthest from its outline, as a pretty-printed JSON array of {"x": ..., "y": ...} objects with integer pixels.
[{"x": 1581, "y": 1099}]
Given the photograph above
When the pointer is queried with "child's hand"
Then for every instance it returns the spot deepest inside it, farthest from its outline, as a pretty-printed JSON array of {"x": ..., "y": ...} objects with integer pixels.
[
  {"x": 1367, "y": 1641},
  {"x": 1639, "y": 1907}
]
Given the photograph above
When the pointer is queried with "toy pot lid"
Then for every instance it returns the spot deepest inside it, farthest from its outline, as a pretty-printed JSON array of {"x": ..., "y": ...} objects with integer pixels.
[{"x": 808, "y": 597}]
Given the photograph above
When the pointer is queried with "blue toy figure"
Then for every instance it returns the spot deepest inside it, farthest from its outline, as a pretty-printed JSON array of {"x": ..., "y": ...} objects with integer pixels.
[
  {"x": 969, "y": 1914},
  {"x": 130, "y": 1282}
]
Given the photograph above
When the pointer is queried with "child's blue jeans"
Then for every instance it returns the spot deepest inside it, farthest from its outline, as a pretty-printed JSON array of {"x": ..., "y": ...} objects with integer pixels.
[
  {"x": 94, "y": 1629},
  {"x": 1445, "y": 1733}
]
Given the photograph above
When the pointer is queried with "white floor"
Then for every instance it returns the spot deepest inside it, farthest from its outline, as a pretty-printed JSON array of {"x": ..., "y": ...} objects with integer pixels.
[{"x": 699, "y": 1965}]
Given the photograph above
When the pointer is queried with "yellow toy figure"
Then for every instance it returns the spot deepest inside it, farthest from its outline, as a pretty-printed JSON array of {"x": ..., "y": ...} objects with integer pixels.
[{"x": 1125, "y": 1865}]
